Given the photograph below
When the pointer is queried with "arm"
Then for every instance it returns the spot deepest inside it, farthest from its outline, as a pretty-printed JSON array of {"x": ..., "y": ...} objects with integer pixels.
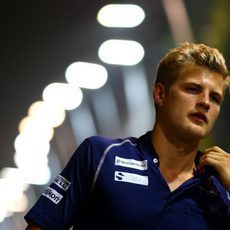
[
  {"x": 32, "y": 226},
  {"x": 220, "y": 161},
  {"x": 60, "y": 204}
]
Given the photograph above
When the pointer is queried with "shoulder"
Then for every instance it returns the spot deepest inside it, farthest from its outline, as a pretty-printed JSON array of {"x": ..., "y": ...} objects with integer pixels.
[
  {"x": 104, "y": 142},
  {"x": 95, "y": 146}
]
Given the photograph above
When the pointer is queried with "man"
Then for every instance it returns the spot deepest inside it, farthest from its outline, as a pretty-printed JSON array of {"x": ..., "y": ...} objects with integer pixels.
[{"x": 157, "y": 181}]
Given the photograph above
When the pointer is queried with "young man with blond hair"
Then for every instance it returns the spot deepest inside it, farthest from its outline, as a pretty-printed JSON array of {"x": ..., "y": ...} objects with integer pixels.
[{"x": 159, "y": 180}]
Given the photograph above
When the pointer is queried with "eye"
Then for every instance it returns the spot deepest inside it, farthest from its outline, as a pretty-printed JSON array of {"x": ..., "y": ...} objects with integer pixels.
[
  {"x": 193, "y": 89},
  {"x": 215, "y": 98}
]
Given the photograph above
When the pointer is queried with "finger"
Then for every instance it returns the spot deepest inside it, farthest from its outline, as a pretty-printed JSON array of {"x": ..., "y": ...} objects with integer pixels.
[
  {"x": 216, "y": 161},
  {"x": 215, "y": 152},
  {"x": 214, "y": 149},
  {"x": 212, "y": 155}
]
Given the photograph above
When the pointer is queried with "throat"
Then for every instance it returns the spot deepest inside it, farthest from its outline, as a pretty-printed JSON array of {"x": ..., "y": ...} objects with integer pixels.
[{"x": 175, "y": 179}]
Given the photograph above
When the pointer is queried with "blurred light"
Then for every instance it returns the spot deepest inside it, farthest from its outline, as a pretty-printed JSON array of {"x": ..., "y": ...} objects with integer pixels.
[
  {"x": 31, "y": 159},
  {"x": 86, "y": 75},
  {"x": 25, "y": 160},
  {"x": 31, "y": 145},
  {"x": 47, "y": 113},
  {"x": 18, "y": 205},
  {"x": 109, "y": 122},
  {"x": 12, "y": 197},
  {"x": 34, "y": 170},
  {"x": 121, "y": 15},
  {"x": 4, "y": 213},
  {"x": 15, "y": 175},
  {"x": 37, "y": 175},
  {"x": 78, "y": 119},
  {"x": 62, "y": 95},
  {"x": 138, "y": 100},
  {"x": 178, "y": 20},
  {"x": 36, "y": 127},
  {"x": 121, "y": 52}
]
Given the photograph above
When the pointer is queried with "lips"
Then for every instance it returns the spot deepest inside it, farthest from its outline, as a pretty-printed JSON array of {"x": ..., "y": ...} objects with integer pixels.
[{"x": 199, "y": 117}]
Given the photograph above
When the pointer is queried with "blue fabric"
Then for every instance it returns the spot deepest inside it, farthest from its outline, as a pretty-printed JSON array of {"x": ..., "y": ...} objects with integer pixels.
[{"x": 116, "y": 184}]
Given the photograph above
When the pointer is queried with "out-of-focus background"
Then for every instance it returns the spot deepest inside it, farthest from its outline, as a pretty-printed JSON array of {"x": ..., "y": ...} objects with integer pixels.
[{"x": 73, "y": 69}]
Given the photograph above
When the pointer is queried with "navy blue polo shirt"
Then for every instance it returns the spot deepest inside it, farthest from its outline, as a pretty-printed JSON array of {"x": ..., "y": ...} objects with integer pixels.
[{"x": 116, "y": 184}]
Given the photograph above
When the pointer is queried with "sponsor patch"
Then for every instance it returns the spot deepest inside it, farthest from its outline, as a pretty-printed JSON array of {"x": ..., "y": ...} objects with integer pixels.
[
  {"x": 131, "y": 163},
  {"x": 131, "y": 178},
  {"x": 52, "y": 194},
  {"x": 61, "y": 182}
]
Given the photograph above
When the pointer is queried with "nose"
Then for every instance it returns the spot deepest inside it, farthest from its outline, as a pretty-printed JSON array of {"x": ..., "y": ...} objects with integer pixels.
[{"x": 203, "y": 102}]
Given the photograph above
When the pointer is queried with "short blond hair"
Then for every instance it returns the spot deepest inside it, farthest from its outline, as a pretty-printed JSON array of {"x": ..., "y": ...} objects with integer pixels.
[{"x": 170, "y": 65}]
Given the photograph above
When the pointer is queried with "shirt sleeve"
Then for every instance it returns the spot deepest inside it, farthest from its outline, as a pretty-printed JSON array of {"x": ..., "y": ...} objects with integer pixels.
[
  {"x": 61, "y": 204},
  {"x": 225, "y": 197},
  {"x": 227, "y": 201}
]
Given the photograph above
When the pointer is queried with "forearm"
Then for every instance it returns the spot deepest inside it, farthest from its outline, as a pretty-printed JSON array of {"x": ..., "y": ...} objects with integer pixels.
[{"x": 33, "y": 226}]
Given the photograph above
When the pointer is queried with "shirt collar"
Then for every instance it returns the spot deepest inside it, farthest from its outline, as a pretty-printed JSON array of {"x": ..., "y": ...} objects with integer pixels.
[{"x": 146, "y": 146}]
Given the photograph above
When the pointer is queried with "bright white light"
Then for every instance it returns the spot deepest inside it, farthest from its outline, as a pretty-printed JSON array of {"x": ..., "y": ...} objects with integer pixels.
[
  {"x": 19, "y": 205},
  {"x": 48, "y": 114},
  {"x": 86, "y": 75},
  {"x": 121, "y": 52},
  {"x": 121, "y": 15},
  {"x": 31, "y": 158},
  {"x": 31, "y": 145},
  {"x": 4, "y": 213},
  {"x": 25, "y": 160},
  {"x": 15, "y": 175},
  {"x": 34, "y": 170},
  {"x": 12, "y": 197},
  {"x": 37, "y": 175},
  {"x": 62, "y": 95},
  {"x": 36, "y": 126}
]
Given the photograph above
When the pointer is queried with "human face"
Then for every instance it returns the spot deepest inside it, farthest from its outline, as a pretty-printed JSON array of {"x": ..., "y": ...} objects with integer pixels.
[{"x": 191, "y": 105}]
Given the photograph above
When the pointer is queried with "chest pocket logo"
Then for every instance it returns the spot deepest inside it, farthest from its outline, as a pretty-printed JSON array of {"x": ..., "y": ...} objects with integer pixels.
[
  {"x": 131, "y": 163},
  {"x": 131, "y": 178}
]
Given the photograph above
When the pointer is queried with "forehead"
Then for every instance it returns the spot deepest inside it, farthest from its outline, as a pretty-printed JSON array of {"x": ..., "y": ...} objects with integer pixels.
[{"x": 199, "y": 75}]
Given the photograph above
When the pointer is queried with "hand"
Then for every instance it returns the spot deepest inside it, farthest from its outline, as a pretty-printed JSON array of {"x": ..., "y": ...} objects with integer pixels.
[{"x": 220, "y": 161}]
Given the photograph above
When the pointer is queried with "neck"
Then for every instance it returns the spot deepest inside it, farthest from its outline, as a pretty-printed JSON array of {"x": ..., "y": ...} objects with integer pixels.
[{"x": 175, "y": 153}]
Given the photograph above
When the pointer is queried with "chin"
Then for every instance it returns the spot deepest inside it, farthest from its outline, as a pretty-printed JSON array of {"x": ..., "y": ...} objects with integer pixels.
[{"x": 198, "y": 132}]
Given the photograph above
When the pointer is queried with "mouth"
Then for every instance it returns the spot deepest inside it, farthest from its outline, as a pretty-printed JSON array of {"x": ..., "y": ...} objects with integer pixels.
[{"x": 199, "y": 117}]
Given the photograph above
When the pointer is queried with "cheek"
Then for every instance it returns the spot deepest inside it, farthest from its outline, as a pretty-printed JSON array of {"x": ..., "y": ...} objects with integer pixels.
[
  {"x": 179, "y": 103},
  {"x": 177, "y": 108},
  {"x": 183, "y": 103},
  {"x": 214, "y": 114}
]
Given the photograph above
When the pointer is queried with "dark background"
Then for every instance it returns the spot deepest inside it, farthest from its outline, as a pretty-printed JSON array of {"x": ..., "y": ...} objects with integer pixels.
[{"x": 39, "y": 39}]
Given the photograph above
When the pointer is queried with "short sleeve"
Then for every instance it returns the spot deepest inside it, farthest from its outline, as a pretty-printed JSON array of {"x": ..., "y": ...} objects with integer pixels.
[{"x": 62, "y": 202}]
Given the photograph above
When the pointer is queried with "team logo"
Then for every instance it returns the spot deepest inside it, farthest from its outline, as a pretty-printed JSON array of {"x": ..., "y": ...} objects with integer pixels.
[
  {"x": 61, "y": 182},
  {"x": 131, "y": 163},
  {"x": 131, "y": 178},
  {"x": 119, "y": 175},
  {"x": 52, "y": 194}
]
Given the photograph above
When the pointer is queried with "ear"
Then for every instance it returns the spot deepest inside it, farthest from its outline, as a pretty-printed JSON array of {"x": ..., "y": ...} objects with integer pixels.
[{"x": 158, "y": 93}]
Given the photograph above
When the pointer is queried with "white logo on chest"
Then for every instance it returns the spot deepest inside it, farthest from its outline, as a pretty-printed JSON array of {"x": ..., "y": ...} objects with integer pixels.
[
  {"x": 131, "y": 178},
  {"x": 131, "y": 163}
]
